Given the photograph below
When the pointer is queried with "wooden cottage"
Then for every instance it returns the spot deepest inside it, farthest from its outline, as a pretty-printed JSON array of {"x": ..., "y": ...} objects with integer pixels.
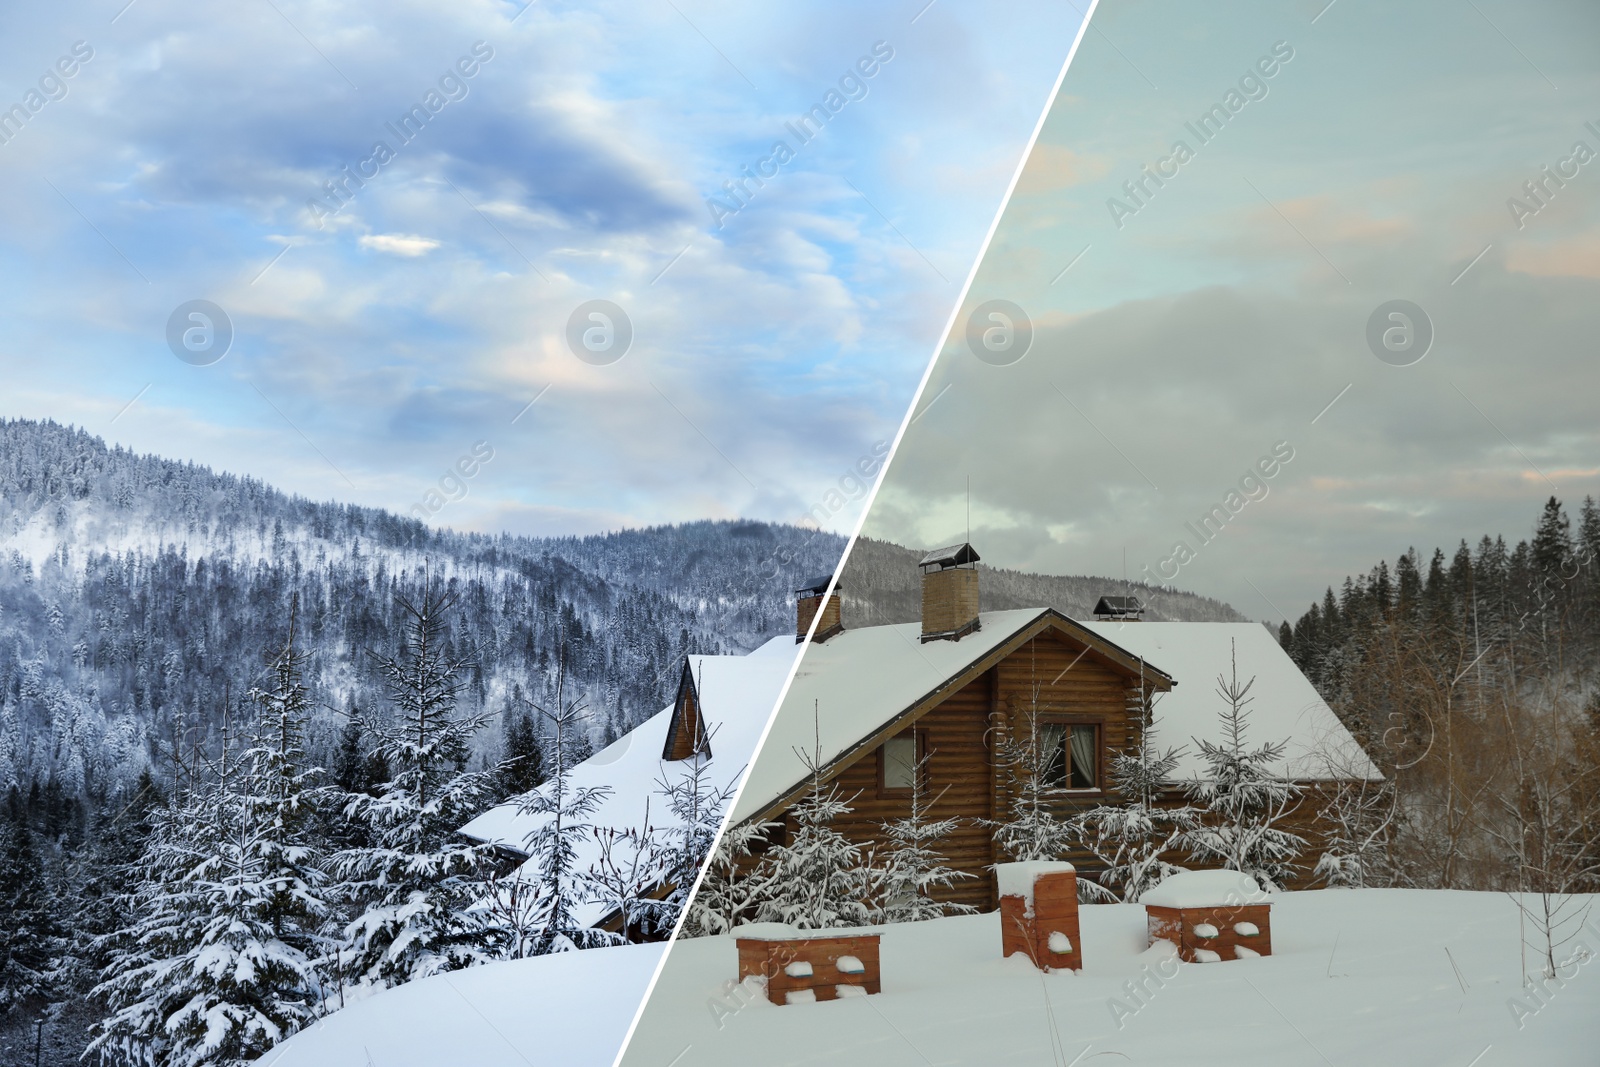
[
  {"x": 869, "y": 704},
  {"x": 717, "y": 715}
]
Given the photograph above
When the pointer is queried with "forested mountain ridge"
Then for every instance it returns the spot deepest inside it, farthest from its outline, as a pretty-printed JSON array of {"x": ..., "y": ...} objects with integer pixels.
[
  {"x": 1473, "y": 681},
  {"x": 138, "y": 593},
  {"x": 1528, "y": 610},
  {"x": 881, "y": 584}
]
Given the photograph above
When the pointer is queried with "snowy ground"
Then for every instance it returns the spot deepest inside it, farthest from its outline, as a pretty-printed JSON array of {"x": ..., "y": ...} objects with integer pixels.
[
  {"x": 1357, "y": 977},
  {"x": 572, "y": 1009}
]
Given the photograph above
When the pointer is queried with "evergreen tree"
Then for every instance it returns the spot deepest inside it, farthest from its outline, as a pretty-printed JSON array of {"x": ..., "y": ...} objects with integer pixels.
[
  {"x": 565, "y": 820},
  {"x": 1552, "y": 540},
  {"x": 413, "y": 886},
  {"x": 696, "y": 805},
  {"x": 108, "y": 864},
  {"x": 914, "y": 863},
  {"x": 1032, "y": 829},
  {"x": 33, "y": 941},
  {"x": 280, "y": 807},
  {"x": 734, "y": 883},
  {"x": 818, "y": 878},
  {"x": 1243, "y": 799},
  {"x": 1131, "y": 839},
  {"x": 521, "y": 762},
  {"x": 201, "y": 978},
  {"x": 351, "y": 763}
]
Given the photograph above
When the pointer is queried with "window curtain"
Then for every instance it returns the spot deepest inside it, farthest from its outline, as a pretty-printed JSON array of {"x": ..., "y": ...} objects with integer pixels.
[
  {"x": 1053, "y": 753},
  {"x": 1084, "y": 763}
]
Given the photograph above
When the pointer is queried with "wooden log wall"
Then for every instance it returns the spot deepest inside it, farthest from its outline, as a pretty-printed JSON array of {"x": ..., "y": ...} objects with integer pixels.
[{"x": 1046, "y": 678}]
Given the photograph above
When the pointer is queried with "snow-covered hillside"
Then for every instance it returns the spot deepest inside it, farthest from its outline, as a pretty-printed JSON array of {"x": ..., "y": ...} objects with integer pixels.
[
  {"x": 137, "y": 592},
  {"x": 1357, "y": 976}
]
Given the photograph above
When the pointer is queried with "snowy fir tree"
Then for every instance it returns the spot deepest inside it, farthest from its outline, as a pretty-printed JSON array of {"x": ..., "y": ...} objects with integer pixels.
[
  {"x": 696, "y": 805},
  {"x": 1031, "y": 828},
  {"x": 733, "y": 885},
  {"x": 818, "y": 878},
  {"x": 913, "y": 864},
  {"x": 521, "y": 761},
  {"x": 280, "y": 806},
  {"x": 413, "y": 885},
  {"x": 565, "y": 812},
  {"x": 201, "y": 977},
  {"x": 33, "y": 936},
  {"x": 1244, "y": 800},
  {"x": 1130, "y": 839}
]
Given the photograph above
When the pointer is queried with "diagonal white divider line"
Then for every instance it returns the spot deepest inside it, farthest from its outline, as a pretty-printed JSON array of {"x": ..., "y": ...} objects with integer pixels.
[{"x": 905, "y": 422}]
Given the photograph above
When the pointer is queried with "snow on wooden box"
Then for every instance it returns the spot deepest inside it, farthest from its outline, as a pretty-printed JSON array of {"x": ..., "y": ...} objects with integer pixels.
[
  {"x": 1039, "y": 913},
  {"x": 1210, "y": 916},
  {"x": 800, "y": 966}
]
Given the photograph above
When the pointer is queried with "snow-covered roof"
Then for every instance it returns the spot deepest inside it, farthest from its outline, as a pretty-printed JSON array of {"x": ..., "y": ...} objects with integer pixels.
[
  {"x": 856, "y": 682},
  {"x": 568, "y": 1007},
  {"x": 852, "y": 686},
  {"x": 1205, "y": 889},
  {"x": 1285, "y": 705},
  {"x": 737, "y": 694}
]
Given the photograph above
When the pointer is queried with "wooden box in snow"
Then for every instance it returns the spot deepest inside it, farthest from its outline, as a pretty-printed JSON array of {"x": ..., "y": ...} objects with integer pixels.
[
  {"x": 801, "y": 966},
  {"x": 1039, "y": 913},
  {"x": 1210, "y": 916}
]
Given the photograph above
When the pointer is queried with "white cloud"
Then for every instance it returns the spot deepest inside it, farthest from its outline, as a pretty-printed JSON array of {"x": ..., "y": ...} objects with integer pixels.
[{"x": 399, "y": 244}]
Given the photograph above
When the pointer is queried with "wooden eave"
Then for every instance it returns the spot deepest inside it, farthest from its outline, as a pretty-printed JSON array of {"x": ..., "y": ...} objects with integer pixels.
[{"x": 686, "y": 687}]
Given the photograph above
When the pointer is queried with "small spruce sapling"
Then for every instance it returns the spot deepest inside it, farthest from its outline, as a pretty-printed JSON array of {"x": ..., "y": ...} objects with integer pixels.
[
  {"x": 1130, "y": 839},
  {"x": 1243, "y": 798},
  {"x": 913, "y": 861},
  {"x": 818, "y": 878}
]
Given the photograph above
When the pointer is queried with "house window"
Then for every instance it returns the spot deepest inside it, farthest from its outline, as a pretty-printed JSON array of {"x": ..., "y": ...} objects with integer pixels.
[
  {"x": 898, "y": 759},
  {"x": 1071, "y": 754}
]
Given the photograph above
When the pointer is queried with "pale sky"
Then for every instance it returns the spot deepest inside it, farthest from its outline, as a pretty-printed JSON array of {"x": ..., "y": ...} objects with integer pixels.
[{"x": 1219, "y": 321}]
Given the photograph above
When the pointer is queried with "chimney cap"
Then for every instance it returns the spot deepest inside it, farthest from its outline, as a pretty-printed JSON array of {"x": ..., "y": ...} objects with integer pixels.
[
  {"x": 1118, "y": 607},
  {"x": 817, "y": 586},
  {"x": 950, "y": 556}
]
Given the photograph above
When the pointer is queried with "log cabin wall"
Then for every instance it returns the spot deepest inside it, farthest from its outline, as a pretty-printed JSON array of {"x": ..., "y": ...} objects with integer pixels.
[
  {"x": 954, "y": 733},
  {"x": 964, "y": 736},
  {"x": 1050, "y": 680}
]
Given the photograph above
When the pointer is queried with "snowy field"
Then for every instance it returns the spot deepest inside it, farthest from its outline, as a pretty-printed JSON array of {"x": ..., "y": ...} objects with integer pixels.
[
  {"x": 1357, "y": 977},
  {"x": 571, "y": 1009}
]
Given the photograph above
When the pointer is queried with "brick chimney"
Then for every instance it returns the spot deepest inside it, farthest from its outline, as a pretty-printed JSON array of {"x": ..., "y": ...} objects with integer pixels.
[
  {"x": 949, "y": 593},
  {"x": 809, "y": 603}
]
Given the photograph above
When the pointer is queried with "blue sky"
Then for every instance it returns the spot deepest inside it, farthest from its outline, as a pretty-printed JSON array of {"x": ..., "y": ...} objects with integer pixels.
[
  {"x": 374, "y": 346},
  {"x": 1228, "y": 312}
]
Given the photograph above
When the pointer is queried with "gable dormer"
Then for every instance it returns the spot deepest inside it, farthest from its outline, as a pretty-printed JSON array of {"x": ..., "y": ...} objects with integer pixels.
[{"x": 686, "y": 733}]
